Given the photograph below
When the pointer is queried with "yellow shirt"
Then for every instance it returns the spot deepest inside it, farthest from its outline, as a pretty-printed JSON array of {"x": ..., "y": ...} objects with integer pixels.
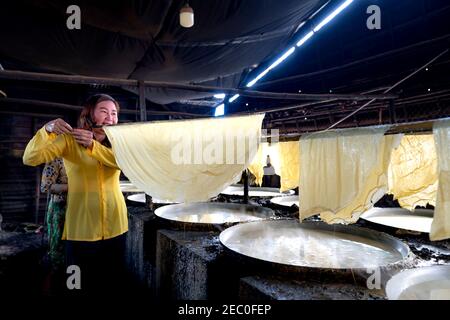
[{"x": 95, "y": 205}]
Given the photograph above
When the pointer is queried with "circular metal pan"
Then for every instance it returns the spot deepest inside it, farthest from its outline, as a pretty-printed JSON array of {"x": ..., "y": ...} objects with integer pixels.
[
  {"x": 139, "y": 199},
  {"x": 420, "y": 220},
  {"x": 238, "y": 190},
  {"x": 314, "y": 245},
  {"x": 426, "y": 283},
  {"x": 287, "y": 201},
  {"x": 213, "y": 213}
]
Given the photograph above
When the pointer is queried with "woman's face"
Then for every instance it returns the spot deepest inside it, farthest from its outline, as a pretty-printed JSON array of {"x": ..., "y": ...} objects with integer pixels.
[{"x": 105, "y": 113}]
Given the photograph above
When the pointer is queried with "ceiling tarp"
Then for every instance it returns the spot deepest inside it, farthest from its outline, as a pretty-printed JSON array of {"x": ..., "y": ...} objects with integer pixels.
[{"x": 143, "y": 39}]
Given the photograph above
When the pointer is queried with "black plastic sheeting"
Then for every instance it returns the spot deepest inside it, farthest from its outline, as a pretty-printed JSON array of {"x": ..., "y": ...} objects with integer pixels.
[{"x": 143, "y": 40}]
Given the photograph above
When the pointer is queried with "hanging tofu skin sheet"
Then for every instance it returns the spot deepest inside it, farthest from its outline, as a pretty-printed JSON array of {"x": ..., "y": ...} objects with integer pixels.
[
  {"x": 412, "y": 174},
  {"x": 343, "y": 172},
  {"x": 188, "y": 160},
  {"x": 290, "y": 165},
  {"x": 440, "y": 228}
]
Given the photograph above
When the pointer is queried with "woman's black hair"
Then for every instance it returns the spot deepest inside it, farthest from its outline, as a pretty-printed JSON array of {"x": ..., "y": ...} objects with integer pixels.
[{"x": 85, "y": 121}]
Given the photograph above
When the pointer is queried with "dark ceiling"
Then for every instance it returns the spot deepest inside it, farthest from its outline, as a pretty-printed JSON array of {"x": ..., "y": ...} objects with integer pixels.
[{"x": 230, "y": 43}]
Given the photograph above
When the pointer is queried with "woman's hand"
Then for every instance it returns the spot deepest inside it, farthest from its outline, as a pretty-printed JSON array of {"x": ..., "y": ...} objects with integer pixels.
[
  {"x": 99, "y": 134},
  {"x": 58, "y": 126},
  {"x": 83, "y": 137}
]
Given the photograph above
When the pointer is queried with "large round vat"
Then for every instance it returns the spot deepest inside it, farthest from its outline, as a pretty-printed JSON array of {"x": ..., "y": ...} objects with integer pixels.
[
  {"x": 287, "y": 246},
  {"x": 420, "y": 220},
  {"x": 212, "y": 213},
  {"x": 426, "y": 283},
  {"x": 286, "y": 202},
  {"x": 128, "y": 187}
]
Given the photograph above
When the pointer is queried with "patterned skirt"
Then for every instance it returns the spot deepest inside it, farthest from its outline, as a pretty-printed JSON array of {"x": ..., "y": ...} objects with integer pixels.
[{"x": 56, "y": 214}]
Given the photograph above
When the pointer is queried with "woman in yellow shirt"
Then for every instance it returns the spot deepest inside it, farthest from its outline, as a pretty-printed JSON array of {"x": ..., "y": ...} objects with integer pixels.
[{"x": 96, "y": 216}]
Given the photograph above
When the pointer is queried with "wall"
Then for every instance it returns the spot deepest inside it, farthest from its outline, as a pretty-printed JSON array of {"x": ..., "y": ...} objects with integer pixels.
[{"x": 20, "y": 199}]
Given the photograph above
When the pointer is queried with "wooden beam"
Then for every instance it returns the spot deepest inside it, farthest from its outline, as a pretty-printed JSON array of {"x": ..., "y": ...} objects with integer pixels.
[
  {"x": 79, "y": 108},
  {"x": 30, "y": 114},
  {"x": 142, "y": 102},
  {"x": 37, "y": 181},
  {"x": 60, "y": 78},
  {"x": 426, "y": 98},
  {"x": 245, "y": 176},
  {"x": 75, "y": 79},
  {"x": 417, "y": 127},
  {"x": 40, "y": 103},
  {"x": 286, "y": 108},
  {"x": 392, "y": 115}
]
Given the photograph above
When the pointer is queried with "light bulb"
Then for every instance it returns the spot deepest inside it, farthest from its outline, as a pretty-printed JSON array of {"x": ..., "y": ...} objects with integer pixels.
[{"x": 186, "y": 16}]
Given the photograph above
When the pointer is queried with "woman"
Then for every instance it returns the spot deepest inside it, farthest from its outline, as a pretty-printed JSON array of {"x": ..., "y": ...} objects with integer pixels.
[
  {"x": 54, "y": 181},
  {"x": 96, "y": 216}
]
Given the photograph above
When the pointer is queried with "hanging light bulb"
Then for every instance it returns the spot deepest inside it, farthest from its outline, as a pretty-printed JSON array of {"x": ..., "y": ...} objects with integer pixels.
[{"x": 186, "y": 16}]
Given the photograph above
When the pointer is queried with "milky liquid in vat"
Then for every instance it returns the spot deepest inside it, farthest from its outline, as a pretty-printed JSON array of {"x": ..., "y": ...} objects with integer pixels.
[
  {"x": 253, "y": 192},
  {"x": 217, "y": 217},
  {"x": 140, "y": 197},
  {"x": 216, "y": 213},
  {"x": 429, "y": 290},
  {"x": 313, "y": 248}
]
